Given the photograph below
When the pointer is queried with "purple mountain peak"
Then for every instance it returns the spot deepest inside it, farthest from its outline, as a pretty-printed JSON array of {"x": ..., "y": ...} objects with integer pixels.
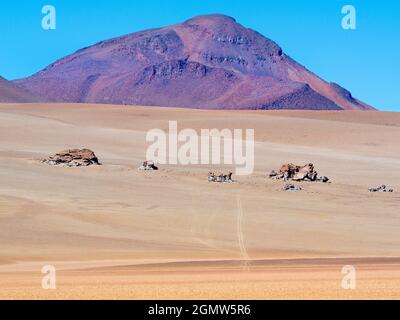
[{"x": 209, "y": 61}]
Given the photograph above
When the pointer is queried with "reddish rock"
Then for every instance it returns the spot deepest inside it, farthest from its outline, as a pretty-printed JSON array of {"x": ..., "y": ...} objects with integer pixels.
[
  {"x": 294, "y": 172},
  {"x": 73, "y": 158}
]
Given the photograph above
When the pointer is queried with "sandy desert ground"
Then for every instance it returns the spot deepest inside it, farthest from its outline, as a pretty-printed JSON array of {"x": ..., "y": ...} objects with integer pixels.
[{"x": 114, "y": 232}]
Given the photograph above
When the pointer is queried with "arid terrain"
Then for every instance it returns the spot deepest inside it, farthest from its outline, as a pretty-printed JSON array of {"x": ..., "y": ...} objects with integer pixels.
[{"x": 113, "y": 231}]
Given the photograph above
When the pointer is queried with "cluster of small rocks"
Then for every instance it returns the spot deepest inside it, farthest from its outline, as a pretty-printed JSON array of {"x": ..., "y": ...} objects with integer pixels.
[
  {"x": 222, "y": 178},
  {"x": 73, "y": 158},
  {"x": 382, "y": 188},
  {"x": 148, "y": 166},
  {"x": 291, "y": 187}
]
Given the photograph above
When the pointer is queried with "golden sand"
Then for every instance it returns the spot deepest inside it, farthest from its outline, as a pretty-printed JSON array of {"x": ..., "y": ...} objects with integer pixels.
[{"x": 114, "y": 232}]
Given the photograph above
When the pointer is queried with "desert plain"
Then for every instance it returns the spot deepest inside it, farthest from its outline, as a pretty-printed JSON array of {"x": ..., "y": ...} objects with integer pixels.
[{"x": 114, "y": 232}]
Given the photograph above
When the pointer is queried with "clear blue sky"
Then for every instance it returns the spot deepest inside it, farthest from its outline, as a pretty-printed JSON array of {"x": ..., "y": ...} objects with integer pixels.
[{"x": 365, "y": 61}]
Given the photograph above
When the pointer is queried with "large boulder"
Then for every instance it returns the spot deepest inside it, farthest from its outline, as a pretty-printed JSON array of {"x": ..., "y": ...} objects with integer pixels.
[
  {"x": 305, "y": 173},
  {"x": 73, "y": 158}
]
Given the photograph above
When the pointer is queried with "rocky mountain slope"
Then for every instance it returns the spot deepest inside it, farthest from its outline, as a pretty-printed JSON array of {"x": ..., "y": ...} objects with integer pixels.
[
  {"x": 209, "y": 62},
  {"x": 10, "y": 92}
]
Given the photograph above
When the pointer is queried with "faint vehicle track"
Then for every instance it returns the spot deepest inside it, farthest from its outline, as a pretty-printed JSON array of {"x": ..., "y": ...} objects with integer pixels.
[{"x": 239, "y": 223}]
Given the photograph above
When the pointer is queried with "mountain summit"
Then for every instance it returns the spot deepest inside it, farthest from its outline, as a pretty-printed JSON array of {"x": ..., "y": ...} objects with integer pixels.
[{"x": 206, "y": 62}]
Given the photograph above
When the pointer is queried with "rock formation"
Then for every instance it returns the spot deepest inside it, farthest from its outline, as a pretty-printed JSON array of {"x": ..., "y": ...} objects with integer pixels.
[
  {"x": 292, "y": 172},
  {"x": 73, "y": 158}
]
